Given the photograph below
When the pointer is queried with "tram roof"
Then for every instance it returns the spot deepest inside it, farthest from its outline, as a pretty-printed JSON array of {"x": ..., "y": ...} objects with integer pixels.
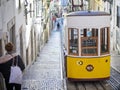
[{"x": 88, "y": 13}]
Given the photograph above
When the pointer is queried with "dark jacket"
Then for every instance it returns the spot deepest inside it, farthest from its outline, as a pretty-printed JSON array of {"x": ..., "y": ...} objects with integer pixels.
[{"x": 5, "y": 67}]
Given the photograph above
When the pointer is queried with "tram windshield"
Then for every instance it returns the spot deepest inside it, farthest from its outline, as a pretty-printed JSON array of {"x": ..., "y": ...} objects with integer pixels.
[{"x": 89, "y": 40}]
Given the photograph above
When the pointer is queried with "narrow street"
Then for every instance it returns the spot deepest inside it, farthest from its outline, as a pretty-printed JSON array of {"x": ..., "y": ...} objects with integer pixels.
[
  {"x": 32, "y": 27},
  {"x": 46, "y": 72}
]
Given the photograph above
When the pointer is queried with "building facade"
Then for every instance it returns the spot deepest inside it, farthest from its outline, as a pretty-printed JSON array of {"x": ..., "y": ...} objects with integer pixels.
[
  {"x": 115, "y": 35},
  {"x": 26, "y": 25},
  {"x": 12, "y": 25}
]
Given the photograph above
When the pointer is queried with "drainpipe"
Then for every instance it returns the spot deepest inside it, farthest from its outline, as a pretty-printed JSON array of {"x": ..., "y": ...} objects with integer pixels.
[
  {"x": 114, "y": 26},
  {"x": 88, "y": 5}
]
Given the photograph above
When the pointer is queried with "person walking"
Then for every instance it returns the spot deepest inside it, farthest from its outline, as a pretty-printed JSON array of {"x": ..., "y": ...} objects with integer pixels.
[
  {"x": 58, "y": 26},
  {"x": 5, "y": 66}
]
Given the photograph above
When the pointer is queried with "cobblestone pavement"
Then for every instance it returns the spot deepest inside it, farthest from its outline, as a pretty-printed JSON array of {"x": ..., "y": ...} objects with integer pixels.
[{"x": 46, "y": 72}]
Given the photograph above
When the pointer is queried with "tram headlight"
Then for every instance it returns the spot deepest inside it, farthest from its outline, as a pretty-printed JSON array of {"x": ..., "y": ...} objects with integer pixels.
[
  {"x": 89, "y": 67},
  {"x": 80, "y": 62}
]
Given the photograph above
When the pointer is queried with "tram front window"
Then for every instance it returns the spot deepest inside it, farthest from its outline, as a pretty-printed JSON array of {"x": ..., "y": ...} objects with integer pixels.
[
  {"x": 89, "y": 39},
  {"x": 73, "y": 41},
  {"x": 104, "y": 40}
]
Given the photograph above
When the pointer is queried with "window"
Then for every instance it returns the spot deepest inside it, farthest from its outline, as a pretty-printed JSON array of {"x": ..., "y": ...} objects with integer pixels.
[
  {"x": 89, "y": 42},
  {"x": 21, "y": 42},
  {"x": 38, "y": 8},
  {"x": 30, "y": 10},
  {"x": 0, "y": 47},
  {"x": 0, "y": 2},
  {"x": 104, "y": 40},
  {"x": 77, "y": 5},
  {"x": 110, "y": 9},
  {"x": 27, "y": 56},
  {"x": 19, "y": 6},
  {"x": 6, "y": 38},
  {"x": 73, "y": 41},
  {"x": 26, "y": 11},
  {"x": 12, "y": 35},
  {"x": 118, "y": 16},
  {"x": 77, "y": 2}
]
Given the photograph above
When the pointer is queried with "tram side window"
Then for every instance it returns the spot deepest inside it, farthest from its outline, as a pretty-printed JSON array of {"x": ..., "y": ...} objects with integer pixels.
[
  {"x": 73, "y": 41},
  {"x": 104, "y": 40},
  {"x": 89, "y": 39}
]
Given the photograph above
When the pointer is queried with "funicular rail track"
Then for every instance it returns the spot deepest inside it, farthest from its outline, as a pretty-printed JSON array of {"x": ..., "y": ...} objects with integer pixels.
[
  {"x": 114, "y": 79},
  {"x": 112, "y": 84},
  {"x": 99, "y": 85}
]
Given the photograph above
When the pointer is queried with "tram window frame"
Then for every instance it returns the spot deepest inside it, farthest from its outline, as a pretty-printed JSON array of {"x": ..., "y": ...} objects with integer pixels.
[
  {"x": 73, "y": 35},
  {"x": 86, "y": 49},
  {"x": 104, "y": 41}
]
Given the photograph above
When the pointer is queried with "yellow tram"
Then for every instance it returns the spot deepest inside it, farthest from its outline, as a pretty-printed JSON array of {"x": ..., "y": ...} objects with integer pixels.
[{"x": 87, "y": 45}]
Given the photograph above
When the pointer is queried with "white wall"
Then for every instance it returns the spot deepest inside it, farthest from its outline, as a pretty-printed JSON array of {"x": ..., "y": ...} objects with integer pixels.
[
  {"x": 20, "y": 21},
  {"x": 115, "y": 31},
  {"x": 29, "y": 25},
  {"x": 9, "y": 14}
]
